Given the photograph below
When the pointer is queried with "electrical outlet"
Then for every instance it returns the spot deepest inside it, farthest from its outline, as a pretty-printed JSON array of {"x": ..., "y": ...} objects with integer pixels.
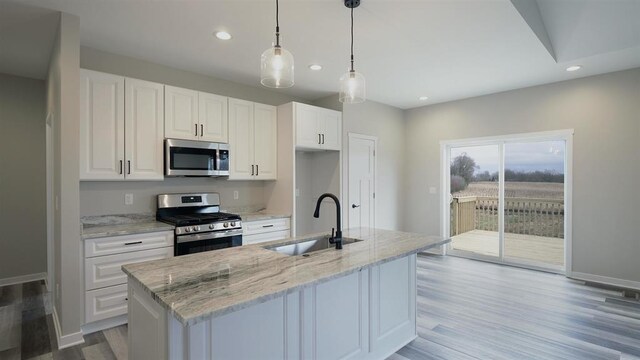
[
  {"x": 236, "y": 195},
  {"x": 128, "y": 199},
  {"x": 432, "y": 190},
  {"x": 297, "y": 192}
]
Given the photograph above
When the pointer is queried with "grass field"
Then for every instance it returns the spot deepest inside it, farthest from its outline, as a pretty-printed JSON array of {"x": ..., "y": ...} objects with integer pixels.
[{"x": 514, "y": 190}]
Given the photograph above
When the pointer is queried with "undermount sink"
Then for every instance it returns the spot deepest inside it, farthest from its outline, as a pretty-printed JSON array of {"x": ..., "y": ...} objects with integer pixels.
[{"x": 308, "y": 245}]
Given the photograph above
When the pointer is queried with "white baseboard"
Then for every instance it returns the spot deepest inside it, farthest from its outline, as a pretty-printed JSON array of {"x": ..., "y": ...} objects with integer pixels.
[
  {"x": 65, "y": 341},
  {"x": 22, "y": 279},
  {"x": 621, "y": 283},
  {"x": 104, "y": 324}
]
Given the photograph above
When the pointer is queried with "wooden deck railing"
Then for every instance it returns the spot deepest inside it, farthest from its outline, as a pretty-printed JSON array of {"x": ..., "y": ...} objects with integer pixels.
[{"x": 527, "y": 216}]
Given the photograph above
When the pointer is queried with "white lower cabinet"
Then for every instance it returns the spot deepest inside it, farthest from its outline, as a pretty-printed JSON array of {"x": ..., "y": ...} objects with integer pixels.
[
  {"x": 265, "y": 230},
  {"x": 105, "y": 283},
  {"x": 368, "y": 314}
]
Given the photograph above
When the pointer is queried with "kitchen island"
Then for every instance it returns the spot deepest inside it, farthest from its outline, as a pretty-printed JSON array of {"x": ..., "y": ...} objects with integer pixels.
[{"x": 252, "y": 302}]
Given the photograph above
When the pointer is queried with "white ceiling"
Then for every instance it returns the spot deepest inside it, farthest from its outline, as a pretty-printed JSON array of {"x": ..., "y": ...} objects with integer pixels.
[
  {"x": 26, "y": 39},
  {"x": 444, "y": 49}
]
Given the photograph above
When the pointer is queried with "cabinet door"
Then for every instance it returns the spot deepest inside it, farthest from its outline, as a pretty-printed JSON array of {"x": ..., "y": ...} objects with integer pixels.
[
  {"x": 182, "y": 113},
  {"x": 266, "y": 141},
  {"x": 101, "y": 126},
  {"x": 212, "y": 114},
  {"x": 144, "y": 124},
  {"x": 307, "y": 126},
  {"x": 241, "y": 140},
  {"x": 331, "y": 126}
]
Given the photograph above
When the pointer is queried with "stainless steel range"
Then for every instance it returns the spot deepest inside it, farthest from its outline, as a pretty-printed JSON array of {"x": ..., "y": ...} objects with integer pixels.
[{"x": 200, "y": 226}]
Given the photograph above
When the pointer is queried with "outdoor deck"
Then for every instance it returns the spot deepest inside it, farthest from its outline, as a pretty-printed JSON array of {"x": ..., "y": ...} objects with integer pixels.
[{"x": 547, "y": 250}]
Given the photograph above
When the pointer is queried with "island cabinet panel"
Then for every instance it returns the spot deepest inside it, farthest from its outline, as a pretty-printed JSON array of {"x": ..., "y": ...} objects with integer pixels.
[
  {"x": 393, "y": 304},
  {"x": 335, "y": 318},
  {"x": 147, "y": 339}
]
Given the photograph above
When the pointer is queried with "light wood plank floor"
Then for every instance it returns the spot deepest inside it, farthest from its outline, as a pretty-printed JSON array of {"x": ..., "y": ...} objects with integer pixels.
[
  {"x": 546, "y": 250},
  {"x": 466, "y": 310},
  {"x": 474, "y": 310}
]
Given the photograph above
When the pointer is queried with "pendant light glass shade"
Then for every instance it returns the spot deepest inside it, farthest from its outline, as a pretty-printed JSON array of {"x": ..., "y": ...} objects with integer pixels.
[
  {"x": 276, "y": 68},
  {"x": 352, "y": 88}
]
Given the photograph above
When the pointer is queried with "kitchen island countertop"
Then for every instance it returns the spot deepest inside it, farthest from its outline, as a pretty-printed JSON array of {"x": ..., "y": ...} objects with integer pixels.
[{"x": 195, "y": 287}]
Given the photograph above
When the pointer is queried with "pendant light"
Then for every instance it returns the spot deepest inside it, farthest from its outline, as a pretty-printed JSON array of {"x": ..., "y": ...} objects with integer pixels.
[
  {"x": 276, "y": 63},
  {"x": 352, "y": 84}
]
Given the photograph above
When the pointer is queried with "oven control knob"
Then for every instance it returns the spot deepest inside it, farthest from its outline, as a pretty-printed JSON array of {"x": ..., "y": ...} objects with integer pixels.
[
  {"x": 187, "y": 230},
  {"x": 212, "y": 226},
  {"x": 196, "y": 228},
  {"x": 233, "y": 223},
  {"x": 226, "y": 224}
]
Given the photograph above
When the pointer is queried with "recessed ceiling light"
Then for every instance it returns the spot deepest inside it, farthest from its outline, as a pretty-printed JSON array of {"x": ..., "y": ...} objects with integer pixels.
[
  {"x": 574, "y": 68},
  {"x": 423, "y": 98},
  {"x": 315, "y": 67},
  {"x": 223, "y": 35}
]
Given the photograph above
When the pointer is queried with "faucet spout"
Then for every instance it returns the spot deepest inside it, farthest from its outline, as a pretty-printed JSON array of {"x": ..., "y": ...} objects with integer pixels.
[{"x": 337, "y": 239}]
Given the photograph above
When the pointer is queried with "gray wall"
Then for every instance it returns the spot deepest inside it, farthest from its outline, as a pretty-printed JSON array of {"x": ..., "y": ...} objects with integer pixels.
[
  {"x": 387, "y": 124},
  {"x": 63, "y": 105},
  {"x": 101, "y": 198},
  {"x": 23, "y": 213},
  {"x": 604, "y": 110}
]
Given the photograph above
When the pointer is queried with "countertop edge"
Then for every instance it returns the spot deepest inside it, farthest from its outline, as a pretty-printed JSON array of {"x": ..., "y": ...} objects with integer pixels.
[{"x": 265, "y": 298}]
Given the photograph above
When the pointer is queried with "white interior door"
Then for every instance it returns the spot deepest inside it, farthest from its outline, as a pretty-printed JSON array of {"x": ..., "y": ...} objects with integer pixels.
[{"x": 362, "y": 180}]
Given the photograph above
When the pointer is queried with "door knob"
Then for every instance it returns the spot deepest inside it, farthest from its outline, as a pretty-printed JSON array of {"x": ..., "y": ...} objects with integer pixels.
[{"x": 353, "y": 206}]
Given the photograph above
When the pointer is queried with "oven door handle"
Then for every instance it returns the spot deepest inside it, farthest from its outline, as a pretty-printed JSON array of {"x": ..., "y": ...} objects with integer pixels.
[{"x": 207, "y": 236}]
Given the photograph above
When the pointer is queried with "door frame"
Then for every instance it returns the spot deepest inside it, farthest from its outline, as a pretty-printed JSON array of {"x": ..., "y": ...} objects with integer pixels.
[
  {"x": 50, "y": 198},
  {"x": 564, "y": 135},
  {"x": 347, "y": 175}
]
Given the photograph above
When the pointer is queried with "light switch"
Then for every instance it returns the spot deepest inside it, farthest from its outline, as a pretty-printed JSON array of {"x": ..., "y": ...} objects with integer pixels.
[
  {"x": 128, "y": 199},
  {"x": 432, "y": 189}
]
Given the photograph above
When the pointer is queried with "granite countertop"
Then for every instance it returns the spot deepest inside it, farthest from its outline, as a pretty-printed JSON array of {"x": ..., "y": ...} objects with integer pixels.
[
  {"x": 197, "y": 286},
  {"x": 127, "y": 224}
]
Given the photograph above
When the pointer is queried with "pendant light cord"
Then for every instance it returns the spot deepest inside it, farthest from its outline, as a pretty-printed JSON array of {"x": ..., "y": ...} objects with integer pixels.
[
  {"x": 277, "y": 25},
  {"x": 352, "y": 39}
]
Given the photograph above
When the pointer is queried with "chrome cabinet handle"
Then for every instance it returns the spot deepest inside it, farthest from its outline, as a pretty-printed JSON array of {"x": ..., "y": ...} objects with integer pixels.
[
  {"x": 201, "y": 130},
  {"x": 196, "y": 129},
  {"x": 257, "y": 170},
  {"x": 319, "y": 139},
  {"x": 353, "y": 206},
  {"x": 120, "y": 167},
  {"x": 322, "y": 139},
  {"x": 133, "y": 243},
  {"x": 129, "y": 165},
  {"x": 267, "y": 226},
  {"x": 251, "y": 170}
]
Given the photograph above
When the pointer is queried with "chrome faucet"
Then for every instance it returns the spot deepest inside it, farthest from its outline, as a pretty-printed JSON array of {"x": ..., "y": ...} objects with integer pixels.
[{"x": 337, "y": 238}]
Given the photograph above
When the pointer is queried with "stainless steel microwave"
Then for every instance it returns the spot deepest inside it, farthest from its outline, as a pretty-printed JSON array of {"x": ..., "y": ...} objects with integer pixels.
[{"x": 196, "y": 158}]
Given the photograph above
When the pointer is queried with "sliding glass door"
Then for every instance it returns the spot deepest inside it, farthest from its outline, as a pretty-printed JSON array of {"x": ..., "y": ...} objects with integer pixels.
[{"x": 507, "y": 200}]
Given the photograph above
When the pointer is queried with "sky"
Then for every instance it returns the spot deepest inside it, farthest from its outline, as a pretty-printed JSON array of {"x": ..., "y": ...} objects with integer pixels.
[{"x": 530, "y": 156}]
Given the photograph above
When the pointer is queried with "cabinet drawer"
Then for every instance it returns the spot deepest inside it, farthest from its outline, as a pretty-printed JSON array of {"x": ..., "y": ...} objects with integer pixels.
[
  {"x": 106, "y": 271},
  {"x": 263, "y": 226},
  {"x": 270, "y": 236},
  {"x": 127, "y": 243},
  {"x": 105, "y": 303}
]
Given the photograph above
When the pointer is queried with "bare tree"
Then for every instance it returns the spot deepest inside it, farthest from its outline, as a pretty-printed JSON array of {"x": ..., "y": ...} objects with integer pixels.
[{"x": 464, "y": 166}]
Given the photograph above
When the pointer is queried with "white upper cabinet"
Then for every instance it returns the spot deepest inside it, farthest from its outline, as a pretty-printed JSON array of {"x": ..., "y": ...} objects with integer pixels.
[
  {"x": 181, "y": 109},
  {"x": 193, "y": 115},
  {"x": 101, "y": 126},
  {"x": 252, "y": 141},
  {"x": 213, "y": 120},
  {"x": 144, "y": 129},
  {"x": 266, "y": 141},
  {"x": 317, "y": 128},
  {"x": 116, "y": 144}
]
